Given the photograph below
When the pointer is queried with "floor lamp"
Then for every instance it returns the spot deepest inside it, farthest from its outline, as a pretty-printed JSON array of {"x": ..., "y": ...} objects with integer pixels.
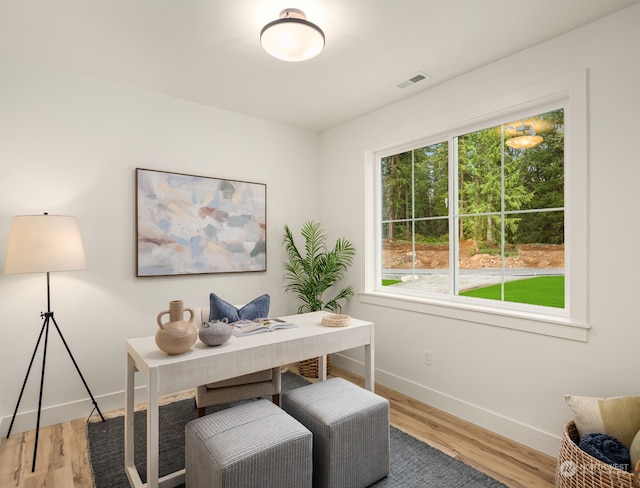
[{"x": 42, "y": 244}]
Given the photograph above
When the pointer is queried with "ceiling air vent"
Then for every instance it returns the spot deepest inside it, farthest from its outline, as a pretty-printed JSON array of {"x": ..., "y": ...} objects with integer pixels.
[{"x": 417, "y": 78}]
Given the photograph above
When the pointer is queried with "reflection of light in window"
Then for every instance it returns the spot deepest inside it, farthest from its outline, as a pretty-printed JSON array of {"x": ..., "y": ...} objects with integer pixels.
[
  {"x": 524, "y": 142},
  {"x": 527, "y": 140}
]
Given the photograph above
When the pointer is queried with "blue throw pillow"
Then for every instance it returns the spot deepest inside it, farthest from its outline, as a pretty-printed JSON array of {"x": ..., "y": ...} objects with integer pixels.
[{"x": 255, "y": 309}]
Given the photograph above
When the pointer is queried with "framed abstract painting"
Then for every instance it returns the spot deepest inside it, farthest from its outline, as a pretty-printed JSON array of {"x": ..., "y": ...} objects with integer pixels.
[{"x": 195, "y": 224}]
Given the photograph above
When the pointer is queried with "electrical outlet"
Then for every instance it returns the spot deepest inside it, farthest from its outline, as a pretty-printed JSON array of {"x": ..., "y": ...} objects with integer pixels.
[{"x": 427, "y": 358}]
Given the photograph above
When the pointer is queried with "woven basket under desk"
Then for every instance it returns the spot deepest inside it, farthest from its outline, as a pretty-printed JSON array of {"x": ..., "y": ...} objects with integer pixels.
[
  {"x": 310, "y": 367},
  {"x": 577, "y": 469}
]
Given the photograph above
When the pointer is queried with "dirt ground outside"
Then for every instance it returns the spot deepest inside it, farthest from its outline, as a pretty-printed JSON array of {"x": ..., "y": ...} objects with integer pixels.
[{"x": 398, "y": 255}]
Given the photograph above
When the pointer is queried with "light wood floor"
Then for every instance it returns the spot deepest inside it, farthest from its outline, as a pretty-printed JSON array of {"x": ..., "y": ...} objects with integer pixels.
[{"x": 63, "y": 461}]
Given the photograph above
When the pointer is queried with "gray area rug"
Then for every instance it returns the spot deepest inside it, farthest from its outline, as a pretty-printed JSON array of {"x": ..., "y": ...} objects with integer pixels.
[{"x": 414, "y": 464}]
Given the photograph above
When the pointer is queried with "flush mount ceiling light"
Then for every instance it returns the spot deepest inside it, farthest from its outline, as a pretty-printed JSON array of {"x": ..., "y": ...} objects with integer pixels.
[{"x": 292, "y": 37}]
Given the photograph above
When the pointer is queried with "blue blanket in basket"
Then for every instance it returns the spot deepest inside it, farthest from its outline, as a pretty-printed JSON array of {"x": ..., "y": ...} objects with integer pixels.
[{"x": 607, "y": 449}]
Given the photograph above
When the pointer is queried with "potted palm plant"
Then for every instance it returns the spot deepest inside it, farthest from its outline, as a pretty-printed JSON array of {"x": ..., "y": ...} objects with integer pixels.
[{"x": 312, "y": 274}]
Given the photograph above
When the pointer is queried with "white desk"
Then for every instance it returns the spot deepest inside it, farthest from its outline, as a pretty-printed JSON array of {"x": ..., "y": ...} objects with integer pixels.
[{"x": 240, "y": 355}]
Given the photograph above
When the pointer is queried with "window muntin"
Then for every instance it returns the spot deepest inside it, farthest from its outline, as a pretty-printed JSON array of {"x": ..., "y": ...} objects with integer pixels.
[{"x": 507, "y": 211}]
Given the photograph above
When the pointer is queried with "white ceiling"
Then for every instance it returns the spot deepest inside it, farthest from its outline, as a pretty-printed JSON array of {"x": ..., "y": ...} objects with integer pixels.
[{"x": 208, "y": 51}]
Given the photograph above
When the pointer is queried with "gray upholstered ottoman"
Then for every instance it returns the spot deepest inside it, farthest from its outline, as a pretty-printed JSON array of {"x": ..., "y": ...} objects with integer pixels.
[
  {"x": 350, "y": 427},
  {"x": 253, "y": 445}
]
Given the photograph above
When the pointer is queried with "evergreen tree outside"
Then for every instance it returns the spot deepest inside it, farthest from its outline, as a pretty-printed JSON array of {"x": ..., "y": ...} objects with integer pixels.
[{"x": 498, "y": 190}]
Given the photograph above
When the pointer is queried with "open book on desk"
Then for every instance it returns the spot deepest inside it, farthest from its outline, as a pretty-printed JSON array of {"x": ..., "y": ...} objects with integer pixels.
[{"x": 257, "y": 326}]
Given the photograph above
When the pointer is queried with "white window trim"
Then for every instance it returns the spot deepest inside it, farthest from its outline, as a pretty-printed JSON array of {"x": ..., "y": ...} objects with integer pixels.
[{"x": 574, "y": 324}]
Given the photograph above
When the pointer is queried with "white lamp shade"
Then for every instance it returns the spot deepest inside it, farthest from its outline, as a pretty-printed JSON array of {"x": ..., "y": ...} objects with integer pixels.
[
  {"x": 43, "y": 243},
  {"x": 292, "y": 38}
]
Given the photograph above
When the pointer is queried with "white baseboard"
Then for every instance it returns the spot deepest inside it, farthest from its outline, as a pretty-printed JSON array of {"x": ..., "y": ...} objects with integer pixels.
[
  {"x": 517, "y": 431},
  {"x": 527, "y": 435},
  {"x": 57, "y": 414}
]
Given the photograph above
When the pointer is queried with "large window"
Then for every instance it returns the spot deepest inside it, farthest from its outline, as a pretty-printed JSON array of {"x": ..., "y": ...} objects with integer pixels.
[
  {"x": 486, "y": 220},
  {"x": 478, "y": 215}
]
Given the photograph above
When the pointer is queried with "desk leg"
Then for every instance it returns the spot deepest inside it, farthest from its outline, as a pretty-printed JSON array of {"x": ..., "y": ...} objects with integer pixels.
[
  {"x": 369, "y": 366},
  {"x": 322, "y": 368},
  {"x": 129, "y": 458},
  {"x": 153, "y": 431}
]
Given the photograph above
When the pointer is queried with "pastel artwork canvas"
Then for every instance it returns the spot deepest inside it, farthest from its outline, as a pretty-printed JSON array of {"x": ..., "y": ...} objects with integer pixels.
[{"x": 192, "y": 224}]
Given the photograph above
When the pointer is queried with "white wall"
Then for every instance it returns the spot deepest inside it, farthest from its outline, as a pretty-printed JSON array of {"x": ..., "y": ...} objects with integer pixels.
[
  {"x": 70, "y": 145},
  {"x": 510, "y": 381}
]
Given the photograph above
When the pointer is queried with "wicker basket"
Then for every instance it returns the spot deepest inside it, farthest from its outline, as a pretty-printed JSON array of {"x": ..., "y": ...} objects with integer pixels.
[
  {"x": 577, "y": 469},
  {"x": 336, "y": 320},
  {"x": 310, "y": 367}
]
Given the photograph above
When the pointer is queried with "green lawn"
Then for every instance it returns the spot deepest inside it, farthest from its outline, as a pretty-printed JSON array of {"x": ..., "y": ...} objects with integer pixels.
[
  {"x": 547, "y": 291},
  {"x": 390, "y": 282}
]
